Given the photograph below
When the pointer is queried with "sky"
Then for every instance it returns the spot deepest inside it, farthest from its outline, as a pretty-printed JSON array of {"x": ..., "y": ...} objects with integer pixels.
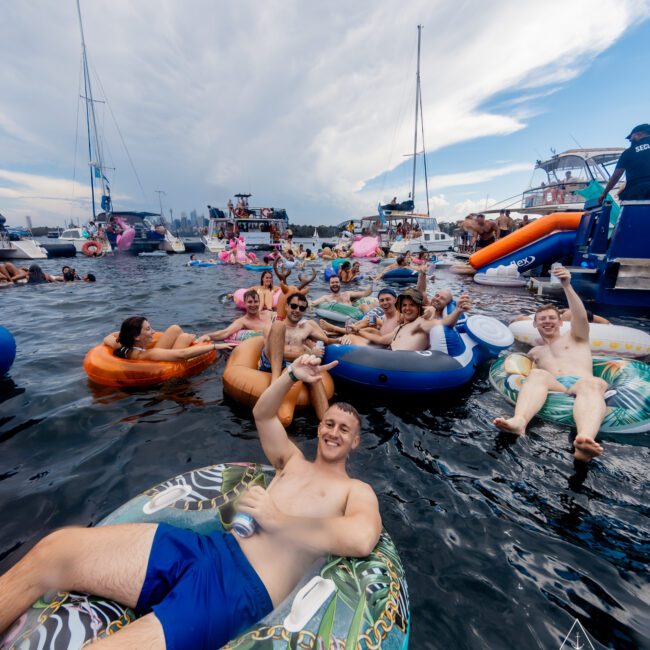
[{"x": 309, "y": 106}]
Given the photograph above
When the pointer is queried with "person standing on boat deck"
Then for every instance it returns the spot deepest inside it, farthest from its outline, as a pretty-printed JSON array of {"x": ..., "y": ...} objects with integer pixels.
[
  {"x": 635, "y": 162},
  {"x": 196, "y": 591},
  {"x": 563, "y": 364},
  {"x": 231, "y": 208},
  {"x": 504, "y": 223}
]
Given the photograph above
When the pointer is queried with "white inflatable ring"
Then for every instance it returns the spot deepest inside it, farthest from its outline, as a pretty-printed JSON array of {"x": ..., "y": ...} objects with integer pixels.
[
  {"x": 496, "y": 281},
  {"x": 604, "y": 339},
  {"x": 489, "y": 331}
]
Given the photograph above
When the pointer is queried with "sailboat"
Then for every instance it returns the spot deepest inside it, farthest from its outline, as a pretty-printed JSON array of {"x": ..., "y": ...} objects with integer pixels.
[
  {"x": 137, "y": 227},
  {"x": 429, "y": 236}
]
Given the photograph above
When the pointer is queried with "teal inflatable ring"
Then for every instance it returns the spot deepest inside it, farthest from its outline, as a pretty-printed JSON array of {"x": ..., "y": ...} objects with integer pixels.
[
  {"x": 367, "y": 605},
  {"x": 627, "y": 400}
]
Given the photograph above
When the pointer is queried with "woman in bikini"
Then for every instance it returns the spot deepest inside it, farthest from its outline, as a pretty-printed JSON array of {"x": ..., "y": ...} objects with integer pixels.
[{"x": 135, "y": 341}]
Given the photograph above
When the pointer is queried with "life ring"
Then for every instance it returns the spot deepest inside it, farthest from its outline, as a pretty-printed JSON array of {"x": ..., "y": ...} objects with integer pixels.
[
  {"x": 240, "y": 212},
  {"x": 202, "y": 500},
  {"x": 104, "y": 368},
  {"x": 266, "y": 212},
  {"x": 244, "y": 382},
  {"x": 91, "y": 248},
  {"x": 628, "y": 408}
]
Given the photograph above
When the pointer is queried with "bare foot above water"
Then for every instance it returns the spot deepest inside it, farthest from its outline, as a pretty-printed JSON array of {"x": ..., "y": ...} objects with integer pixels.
[{"x": 516, "y": 425}]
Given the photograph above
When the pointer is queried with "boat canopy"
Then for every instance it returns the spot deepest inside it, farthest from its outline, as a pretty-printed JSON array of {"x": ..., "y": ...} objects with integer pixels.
[{"x": 574, "y": 158}]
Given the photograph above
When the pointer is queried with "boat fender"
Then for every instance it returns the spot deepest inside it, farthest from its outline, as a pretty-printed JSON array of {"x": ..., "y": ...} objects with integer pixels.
[{"x": 490, "y": 333}]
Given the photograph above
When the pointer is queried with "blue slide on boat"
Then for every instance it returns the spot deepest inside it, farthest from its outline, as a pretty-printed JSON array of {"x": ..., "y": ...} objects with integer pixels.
[{"x": 546, "y": 250}]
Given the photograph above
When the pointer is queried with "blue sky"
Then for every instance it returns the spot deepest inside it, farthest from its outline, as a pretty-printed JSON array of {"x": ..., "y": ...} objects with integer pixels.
[
  {"x": 309, "y": 106},
  {"x": 596, "y": 108}
]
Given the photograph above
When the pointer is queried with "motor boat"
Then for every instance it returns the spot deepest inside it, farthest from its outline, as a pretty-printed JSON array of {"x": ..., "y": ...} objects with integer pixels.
[
  {"x": 76, "y": 237},
  {"x": 19, "y": 245}
]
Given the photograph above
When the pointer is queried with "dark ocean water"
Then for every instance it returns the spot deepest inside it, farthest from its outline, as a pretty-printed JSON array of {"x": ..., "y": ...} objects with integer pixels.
[{"x": 505, "y": 543}]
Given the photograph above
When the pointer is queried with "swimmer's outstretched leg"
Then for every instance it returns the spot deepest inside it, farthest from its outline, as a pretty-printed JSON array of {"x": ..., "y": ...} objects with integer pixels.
[
  {"x": 588, "y": 412},
  {"x": 531, "y": 399}
]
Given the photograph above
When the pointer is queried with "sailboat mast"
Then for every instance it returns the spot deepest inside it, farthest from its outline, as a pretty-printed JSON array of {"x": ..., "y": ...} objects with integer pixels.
[
  {"x": 417, "y": 108},
  {"x": 91, "y": 123}
]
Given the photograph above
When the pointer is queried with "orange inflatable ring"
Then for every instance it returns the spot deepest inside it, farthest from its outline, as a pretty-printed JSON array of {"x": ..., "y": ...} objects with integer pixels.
[
  {"x": 91, "y": 248},
  {"x": 463, "y": 269},
  {"x": 266, "y": 212},
  {"x": 244, "y": 382},
  {"x": 104, "y": 368}
]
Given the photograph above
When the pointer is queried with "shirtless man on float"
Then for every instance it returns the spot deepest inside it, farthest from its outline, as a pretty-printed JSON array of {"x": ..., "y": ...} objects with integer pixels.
[
  {"x": 385, "y": 324},
  {"x": 343, "y": 297},
  {"x": 285, "y": 344},
  {"x": 253, "y": 320},
  {"x": 564, "y": 365},
  {"x": 413, "y": 333},
  {"x": 310, "y": 510}
]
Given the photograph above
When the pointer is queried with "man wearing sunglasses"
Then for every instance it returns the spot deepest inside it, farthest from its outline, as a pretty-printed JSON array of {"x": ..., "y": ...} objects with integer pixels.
[{"x": 300, "y": 334}]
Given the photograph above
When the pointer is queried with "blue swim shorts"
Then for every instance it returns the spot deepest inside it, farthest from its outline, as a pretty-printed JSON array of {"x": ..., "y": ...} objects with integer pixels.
[
  {"x": 567, "y": 380},
  {"x": 201, "y": 588},
  {"x": 265, "y": 363}
]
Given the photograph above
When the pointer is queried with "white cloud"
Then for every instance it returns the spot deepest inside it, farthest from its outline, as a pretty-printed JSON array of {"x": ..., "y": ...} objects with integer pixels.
[{"x": 298, "y": 103}]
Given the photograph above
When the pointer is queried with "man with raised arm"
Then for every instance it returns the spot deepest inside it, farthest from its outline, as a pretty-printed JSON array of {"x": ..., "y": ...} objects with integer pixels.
[
  {"x": 343, "y": 297},
  {"x": 254, "y": 319},
  {"x": 195, "y": 591},
  {"x": 563, "y": 364}
]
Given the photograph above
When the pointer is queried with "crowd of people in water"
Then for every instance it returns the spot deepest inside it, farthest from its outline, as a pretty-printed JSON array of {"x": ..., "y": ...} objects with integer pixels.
[
  {"x": 11, "y": 275},
  {"x": 153, "y": 567}
]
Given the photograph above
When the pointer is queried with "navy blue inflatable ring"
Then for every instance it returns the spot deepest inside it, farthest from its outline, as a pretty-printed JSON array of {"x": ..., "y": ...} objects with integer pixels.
[
  {"x": 450, "y": 362},
  {"x": 7, "y": 350}
]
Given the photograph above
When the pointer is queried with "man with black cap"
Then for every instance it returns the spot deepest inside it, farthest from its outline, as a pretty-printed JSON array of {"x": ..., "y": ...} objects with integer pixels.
[{"x": 635, "y": 162}]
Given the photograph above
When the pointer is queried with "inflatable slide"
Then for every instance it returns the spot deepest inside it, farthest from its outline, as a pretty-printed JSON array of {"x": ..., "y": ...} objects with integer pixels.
[{"x": 548, "y": 239}]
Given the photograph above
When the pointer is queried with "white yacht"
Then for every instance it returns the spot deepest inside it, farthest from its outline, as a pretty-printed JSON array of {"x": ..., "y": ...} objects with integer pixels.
[
  {"x": 75, "y": 236},
  {"x": 430, "y": 238},
  {"x": 555, "y": 182},
  {"x": 19, "y": 245},
  {"x": 260, "y": 227},
  {"x": 171, "y": 243}
]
